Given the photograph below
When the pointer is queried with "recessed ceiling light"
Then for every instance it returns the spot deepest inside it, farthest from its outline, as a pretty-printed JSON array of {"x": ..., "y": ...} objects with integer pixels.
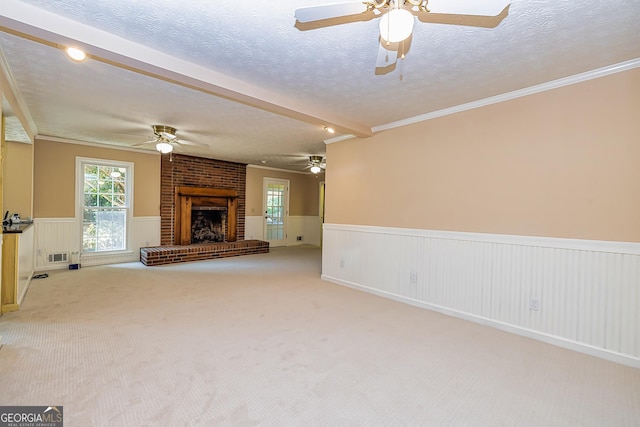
[
  {"x": 329, "y": 129},
  {"x": 76, "y": 54}
]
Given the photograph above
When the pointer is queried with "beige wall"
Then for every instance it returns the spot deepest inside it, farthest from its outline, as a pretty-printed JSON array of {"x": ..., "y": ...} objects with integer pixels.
[
  {"x": 3, "y": 149},
  {"x": 562, "y": 163},
  {"x": 54, "y": 178},
  {"x": 18, "y": 179},
  {"x": 304, "y": 191}
]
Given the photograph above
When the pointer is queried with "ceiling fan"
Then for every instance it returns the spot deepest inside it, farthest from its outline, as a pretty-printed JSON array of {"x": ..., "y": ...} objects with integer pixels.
[
  {"x": 317, "y": 164},
  {"x": 165, "y": 139},
  {"x": 397, "y": 18}
]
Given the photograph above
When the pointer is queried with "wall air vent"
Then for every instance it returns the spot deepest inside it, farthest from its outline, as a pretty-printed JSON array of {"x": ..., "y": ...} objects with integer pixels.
[{"x": 59, "y": 257}]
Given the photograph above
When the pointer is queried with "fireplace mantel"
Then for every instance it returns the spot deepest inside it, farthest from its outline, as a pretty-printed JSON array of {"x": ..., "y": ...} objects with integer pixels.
[{"x": 187, "y": 197}]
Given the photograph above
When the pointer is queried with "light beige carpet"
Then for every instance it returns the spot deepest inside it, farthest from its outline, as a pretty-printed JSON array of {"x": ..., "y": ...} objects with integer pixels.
[{"x": 261, "y": 340}]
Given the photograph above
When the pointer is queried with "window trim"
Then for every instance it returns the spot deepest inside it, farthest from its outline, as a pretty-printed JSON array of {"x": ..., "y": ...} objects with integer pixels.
[{"x": 80, "y": 163}]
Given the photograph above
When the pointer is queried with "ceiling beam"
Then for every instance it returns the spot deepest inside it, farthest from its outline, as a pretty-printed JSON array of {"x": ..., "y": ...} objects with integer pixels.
[
  {"x": 11, "y": 93},
  {"x": 55, "y": 30}
]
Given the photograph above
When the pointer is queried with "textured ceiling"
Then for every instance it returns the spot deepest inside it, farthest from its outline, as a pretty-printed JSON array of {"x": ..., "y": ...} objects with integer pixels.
[{"x": 326, "y": 74}]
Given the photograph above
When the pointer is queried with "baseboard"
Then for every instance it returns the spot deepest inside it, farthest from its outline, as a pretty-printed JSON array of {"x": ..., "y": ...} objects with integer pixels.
[
  {"x": 51, "y": 267},
  {"x": 89, "y": 260},
  {"x": 7, "y": 308},
  {"x": 549, "y": 339}
]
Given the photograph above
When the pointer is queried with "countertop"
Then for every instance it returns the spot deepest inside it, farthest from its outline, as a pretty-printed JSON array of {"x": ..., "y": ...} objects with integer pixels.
[{"x": 16, "y": 228}]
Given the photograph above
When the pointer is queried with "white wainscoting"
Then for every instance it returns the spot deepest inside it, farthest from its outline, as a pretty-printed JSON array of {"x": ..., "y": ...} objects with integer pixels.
[
  {"x": 62, "y": 235},
  {"x": 587, "y": 292},
  {"x": 52, "y": 236},
  {"x": 309, "y": 227},
  {"x": 253, "y": 227}
]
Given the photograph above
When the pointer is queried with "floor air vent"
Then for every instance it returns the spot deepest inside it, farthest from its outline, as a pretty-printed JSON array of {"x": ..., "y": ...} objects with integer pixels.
[{"x": 61, "y": 257}]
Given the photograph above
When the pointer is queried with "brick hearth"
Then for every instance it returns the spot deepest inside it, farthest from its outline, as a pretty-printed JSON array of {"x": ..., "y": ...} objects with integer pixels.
[{"x": 160, "y": 255}]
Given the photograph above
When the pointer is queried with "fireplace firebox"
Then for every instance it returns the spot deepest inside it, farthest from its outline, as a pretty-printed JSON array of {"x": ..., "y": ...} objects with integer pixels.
[
  {"x": 220, "y": 222},
  {"x": 208, "y": 224}
]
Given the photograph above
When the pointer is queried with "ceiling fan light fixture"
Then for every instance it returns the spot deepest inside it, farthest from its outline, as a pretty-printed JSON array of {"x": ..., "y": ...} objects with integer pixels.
[
  {"x": 316, "y": 164},
  {"x": 164, "y": 147},
  {"x": 396, "y": 25}
]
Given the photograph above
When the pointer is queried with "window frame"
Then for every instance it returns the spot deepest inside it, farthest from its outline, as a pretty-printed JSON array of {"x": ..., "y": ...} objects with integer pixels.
[{"x": 81, "y": 162}]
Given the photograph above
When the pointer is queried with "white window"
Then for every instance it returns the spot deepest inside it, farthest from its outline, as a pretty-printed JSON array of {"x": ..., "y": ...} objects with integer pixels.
[{"x": 104, "y": 204}]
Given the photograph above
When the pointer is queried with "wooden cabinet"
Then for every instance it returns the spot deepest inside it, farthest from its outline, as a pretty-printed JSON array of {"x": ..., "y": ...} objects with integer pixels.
[{"x": 17, "y": 266}]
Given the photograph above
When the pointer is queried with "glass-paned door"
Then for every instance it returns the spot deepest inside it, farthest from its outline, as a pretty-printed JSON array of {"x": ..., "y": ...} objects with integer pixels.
[{"x": 276, "y": 211}]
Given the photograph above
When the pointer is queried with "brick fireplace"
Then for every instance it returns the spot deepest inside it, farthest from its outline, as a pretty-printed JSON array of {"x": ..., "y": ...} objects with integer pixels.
[
  {"x": 188, "y": 181},
  {"x": 180, "y": 171}
]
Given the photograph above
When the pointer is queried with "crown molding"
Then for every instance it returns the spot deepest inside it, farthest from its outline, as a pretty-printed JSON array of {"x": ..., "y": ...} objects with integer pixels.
[
  {"x": 280, "y": 170},
  {"x": 339, "y": 138},
  {"x": 50, "y": 138},
  {"x": 554, "y": 84}
]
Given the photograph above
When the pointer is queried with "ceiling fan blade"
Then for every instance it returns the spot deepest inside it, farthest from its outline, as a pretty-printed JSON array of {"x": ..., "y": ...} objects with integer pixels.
[
  {"x": 328, "y": 11},
  {"x": 191, "y": 143},
  {"x": 152, "y": 141},
  {"x": 468, "y": 7},
  {"x": 387, "y": 55}
]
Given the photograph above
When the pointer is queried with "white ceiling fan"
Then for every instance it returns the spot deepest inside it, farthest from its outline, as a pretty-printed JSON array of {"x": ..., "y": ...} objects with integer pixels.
[
  {"x": 398, "y": 16},
  {"x": 166, "y": 138}
]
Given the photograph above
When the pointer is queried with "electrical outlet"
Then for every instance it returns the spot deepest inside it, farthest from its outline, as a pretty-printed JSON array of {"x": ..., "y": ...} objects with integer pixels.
[
  {"x": 413, "y": 278},
  {"x": 534, "y": 304},
  {"x": 299, "y": 238},
  {"x": 341, "y": 263}
]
